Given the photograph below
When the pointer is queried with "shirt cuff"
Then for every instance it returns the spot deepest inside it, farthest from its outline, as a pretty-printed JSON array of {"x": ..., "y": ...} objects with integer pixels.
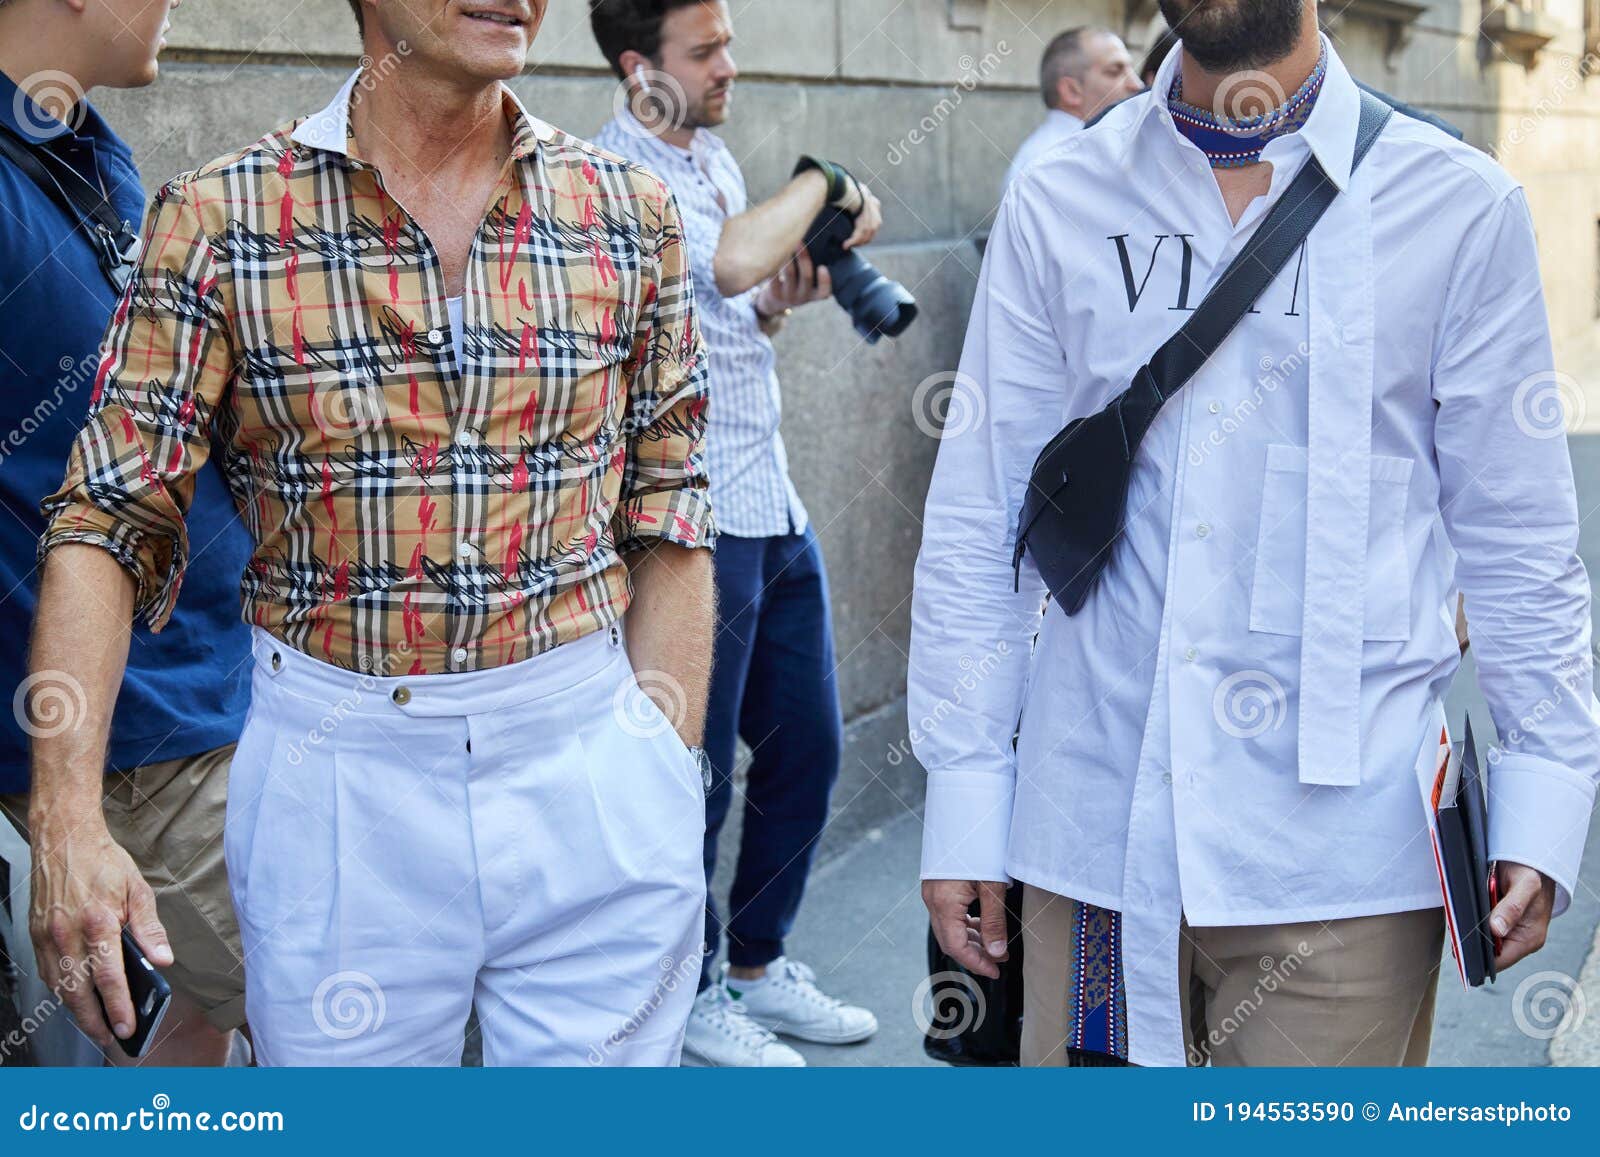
[
  {"x": 156, "y": 563},
  {"x": 1539, "y": 816},
  {"x": 966, "y": 828},
  {"x": 677, "y": 516}
]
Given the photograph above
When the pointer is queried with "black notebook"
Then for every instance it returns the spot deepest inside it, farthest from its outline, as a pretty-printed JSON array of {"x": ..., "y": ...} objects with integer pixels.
[{"x": 1459, "y": 821}]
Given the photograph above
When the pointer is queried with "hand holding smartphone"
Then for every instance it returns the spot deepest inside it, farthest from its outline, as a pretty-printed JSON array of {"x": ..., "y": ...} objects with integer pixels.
[{"x": 150, "y": 993}]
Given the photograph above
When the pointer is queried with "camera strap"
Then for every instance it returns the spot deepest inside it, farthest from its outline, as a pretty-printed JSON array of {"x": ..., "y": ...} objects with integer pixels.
[{"x": 115, "y": 242}]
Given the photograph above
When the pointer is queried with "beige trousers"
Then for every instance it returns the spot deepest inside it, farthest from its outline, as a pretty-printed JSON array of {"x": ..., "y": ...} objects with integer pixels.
[{"x": 1342, "y": 992}]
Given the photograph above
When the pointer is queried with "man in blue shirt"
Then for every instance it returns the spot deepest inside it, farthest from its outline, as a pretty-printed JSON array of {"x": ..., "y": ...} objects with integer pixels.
[{"x": 150, "y": 842}]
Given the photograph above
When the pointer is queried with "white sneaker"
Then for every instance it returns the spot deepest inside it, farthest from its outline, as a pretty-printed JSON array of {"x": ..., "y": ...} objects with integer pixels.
[
  {"x": 720, "y": 1034},
  {"x": 790, "y": 1002}
]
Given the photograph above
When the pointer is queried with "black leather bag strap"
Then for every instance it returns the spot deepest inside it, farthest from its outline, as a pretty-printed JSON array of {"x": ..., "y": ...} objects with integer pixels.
[
  {"x": 1281, "y": 232},
  {"x": 89, "y": 209}
]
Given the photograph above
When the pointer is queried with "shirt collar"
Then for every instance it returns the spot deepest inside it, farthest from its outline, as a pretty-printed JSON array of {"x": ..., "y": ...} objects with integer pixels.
[
  {"x": 1329, "y": 132},
  {"x": 703, "y": 141},
  {"x": 1061, "y": 119},
  {"x": 24, "y": 117},
  {"x": 329, "y": 128}
]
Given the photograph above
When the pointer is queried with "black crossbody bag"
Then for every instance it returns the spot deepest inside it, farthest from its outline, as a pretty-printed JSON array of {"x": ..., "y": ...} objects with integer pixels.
[
  {"x": 116, "y": 244},
  {"x": 1072, "y": 511}
]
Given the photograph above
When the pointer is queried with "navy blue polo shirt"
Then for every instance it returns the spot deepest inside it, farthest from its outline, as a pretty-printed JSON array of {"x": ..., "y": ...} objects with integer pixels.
[{"x": 187, "y": 688}]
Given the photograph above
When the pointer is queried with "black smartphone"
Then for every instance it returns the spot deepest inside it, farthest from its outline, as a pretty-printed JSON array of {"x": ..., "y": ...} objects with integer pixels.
[{"x": 150, "y": 993}]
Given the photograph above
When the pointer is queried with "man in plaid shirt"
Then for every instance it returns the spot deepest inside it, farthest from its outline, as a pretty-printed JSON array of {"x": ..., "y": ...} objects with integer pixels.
[{"x": 447, "y": 358}]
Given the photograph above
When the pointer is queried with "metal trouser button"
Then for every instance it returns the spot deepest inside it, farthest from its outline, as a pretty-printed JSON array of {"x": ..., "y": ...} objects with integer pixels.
[{"x": 401, "y": 696}]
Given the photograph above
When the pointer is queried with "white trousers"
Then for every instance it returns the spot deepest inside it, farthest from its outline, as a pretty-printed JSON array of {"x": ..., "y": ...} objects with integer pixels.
[{"x": 526, "y": 839}]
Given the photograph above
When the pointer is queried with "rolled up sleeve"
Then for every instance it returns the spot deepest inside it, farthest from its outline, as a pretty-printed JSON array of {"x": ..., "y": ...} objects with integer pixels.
[
  {"x": 665, "y": 494},
  {"x": 164, "y": 364},
  {"x": 1511, "y": 511}
]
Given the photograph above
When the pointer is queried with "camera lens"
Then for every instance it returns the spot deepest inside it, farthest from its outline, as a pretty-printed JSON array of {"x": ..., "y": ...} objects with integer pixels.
[{"x": 878, "y": 307}]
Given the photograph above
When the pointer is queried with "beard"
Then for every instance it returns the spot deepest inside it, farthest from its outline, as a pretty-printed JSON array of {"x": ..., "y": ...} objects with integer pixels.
[{"x": 1232, "y": 35}]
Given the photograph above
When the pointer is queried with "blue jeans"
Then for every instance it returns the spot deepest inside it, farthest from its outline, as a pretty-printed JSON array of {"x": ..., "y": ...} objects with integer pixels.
[{"x": 774, "y": 685}]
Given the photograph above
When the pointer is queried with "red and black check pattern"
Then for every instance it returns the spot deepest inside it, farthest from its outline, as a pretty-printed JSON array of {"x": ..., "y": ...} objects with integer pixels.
[{"x": 409, "y": 518}]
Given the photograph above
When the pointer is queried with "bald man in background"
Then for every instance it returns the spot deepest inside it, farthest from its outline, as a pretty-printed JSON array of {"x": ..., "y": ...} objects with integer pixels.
[{"x": 1083, "y": 71}]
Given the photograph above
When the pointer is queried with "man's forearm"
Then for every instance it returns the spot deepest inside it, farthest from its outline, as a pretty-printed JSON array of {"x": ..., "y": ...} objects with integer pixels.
[
  {"x": 76, "y": 662},
  {"x": 757, "y": 242},
  {"x": 670, "y": 624}
]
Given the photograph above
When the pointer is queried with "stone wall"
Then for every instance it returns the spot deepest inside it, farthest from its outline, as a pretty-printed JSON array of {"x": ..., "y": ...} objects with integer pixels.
[{"x": 926, "y": 99}]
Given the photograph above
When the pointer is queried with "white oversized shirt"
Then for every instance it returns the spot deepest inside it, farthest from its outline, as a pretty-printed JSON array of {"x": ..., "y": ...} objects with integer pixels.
[
  {"x": 1159, "y": 764},
  {"x": 1056, "y": 127}
]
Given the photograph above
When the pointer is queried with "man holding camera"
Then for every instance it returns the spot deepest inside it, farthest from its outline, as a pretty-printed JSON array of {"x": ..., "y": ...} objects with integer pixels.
[{"x": 773, "y": 680}]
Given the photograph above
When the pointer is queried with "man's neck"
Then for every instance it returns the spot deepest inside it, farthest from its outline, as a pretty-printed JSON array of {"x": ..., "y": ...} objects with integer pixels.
[
  {"x": 679, "y": 137},
  {"x": 37, "y": 50},
  {"x": 1282, "y": 77},
  {"x": 428, "y": 123}
]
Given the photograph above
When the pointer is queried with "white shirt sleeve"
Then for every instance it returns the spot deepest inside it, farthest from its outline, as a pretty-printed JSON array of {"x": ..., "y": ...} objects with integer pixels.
[
  {"x": 971, "y": 634},
  {"x": 1511, "y": 512}
]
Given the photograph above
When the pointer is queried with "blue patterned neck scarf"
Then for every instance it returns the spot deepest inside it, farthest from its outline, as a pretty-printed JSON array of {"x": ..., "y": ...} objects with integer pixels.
[{"x": 1229, "y": 143}]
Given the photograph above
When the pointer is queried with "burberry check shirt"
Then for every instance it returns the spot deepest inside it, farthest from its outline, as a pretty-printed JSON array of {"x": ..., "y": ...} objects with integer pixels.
[{"x": 409, "y": 516}]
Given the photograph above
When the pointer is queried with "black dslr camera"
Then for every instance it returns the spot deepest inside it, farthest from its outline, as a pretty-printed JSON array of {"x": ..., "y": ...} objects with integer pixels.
[{"x": 878, "y": 307}]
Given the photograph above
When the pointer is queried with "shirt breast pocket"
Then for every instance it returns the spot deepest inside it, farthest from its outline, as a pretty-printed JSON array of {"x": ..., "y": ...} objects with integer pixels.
[{"x": 1277, "y": 588}]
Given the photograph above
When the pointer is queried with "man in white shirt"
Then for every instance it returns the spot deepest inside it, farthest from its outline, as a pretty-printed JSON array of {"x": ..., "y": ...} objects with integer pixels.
[
  {"x": 773, "y": 675},
  {"x": 1212, "y": 800},
  {"x": 1082, "y": 72}
]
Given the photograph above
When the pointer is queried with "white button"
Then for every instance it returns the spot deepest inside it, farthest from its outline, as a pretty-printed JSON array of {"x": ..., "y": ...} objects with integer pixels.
[
  {"x": 465, "y": 549},
  {"x": 1190, "y": 655},
  {"x": 466, "y": 436},
  {"x": 1166, "y": 777},
  {"x": 1202, "y": 530},
  {"x": 436, "y": 336},
  {"x": 1215, "y": 407},
  {"x": 459, "y": 655}
]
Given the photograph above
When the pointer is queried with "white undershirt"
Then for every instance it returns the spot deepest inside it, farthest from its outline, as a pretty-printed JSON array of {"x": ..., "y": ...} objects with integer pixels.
[{"x": 458, "y": 331}]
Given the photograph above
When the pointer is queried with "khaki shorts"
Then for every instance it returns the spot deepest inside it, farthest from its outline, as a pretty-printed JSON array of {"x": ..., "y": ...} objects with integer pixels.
[
  {"x": 1358, "y": 991},
  {"x": 169, "y": 817}
]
